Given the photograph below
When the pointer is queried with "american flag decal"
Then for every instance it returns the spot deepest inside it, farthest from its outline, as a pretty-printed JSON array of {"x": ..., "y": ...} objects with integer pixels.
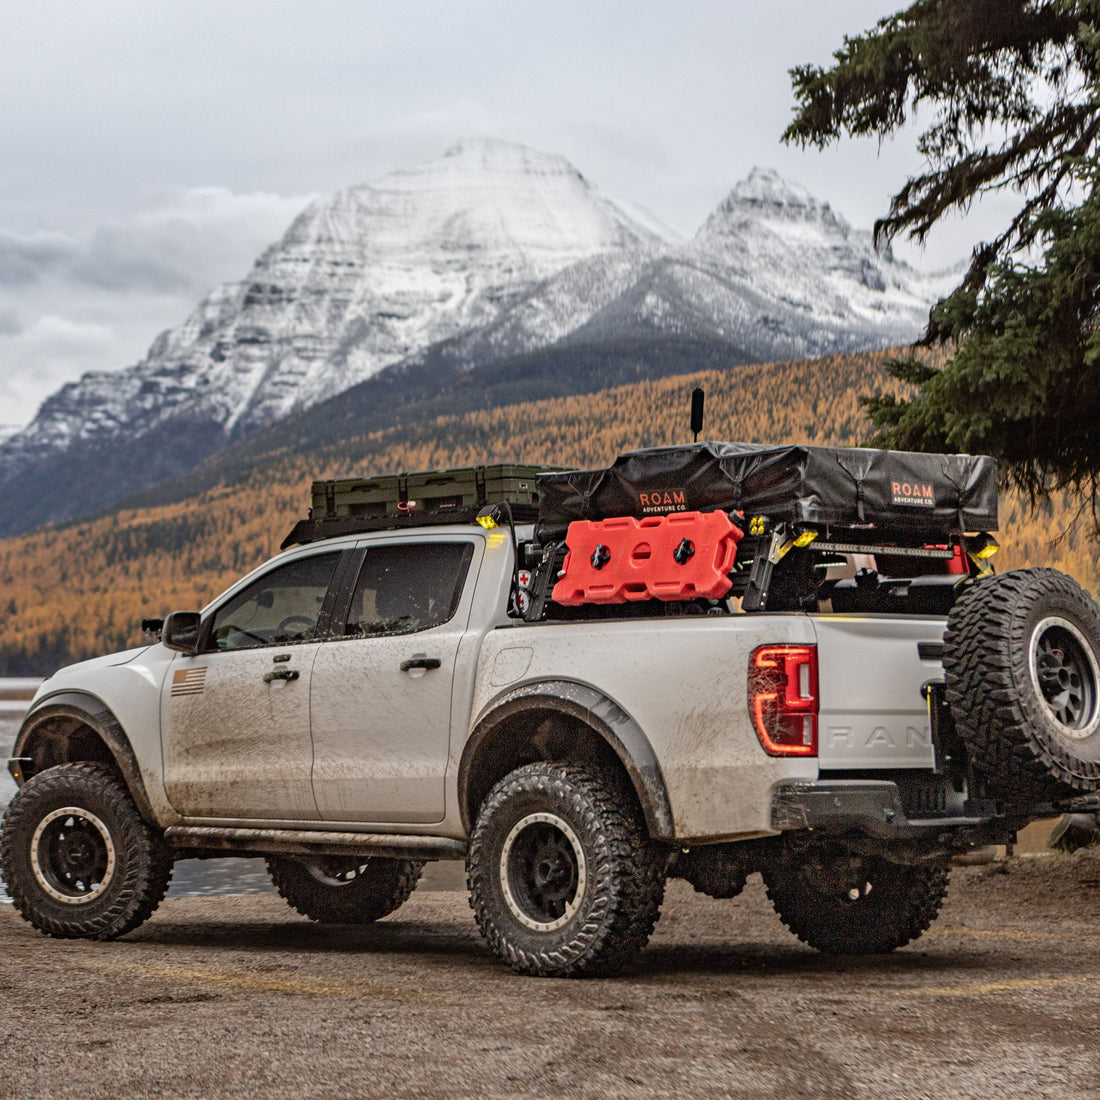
[{"x": 189, "y": 681}]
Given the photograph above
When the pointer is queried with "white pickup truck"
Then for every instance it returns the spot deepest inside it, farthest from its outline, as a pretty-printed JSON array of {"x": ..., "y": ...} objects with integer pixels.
[{"x": 364, "y": 703}]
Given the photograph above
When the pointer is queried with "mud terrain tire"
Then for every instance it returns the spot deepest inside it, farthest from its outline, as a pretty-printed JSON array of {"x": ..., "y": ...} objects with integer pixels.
[
  {"x": 344, "y": 891},
  {"x": 1022, "y": 665},
  {"x": 77, "y": 858},
  {"x": 846, "y": 903},
  {"x": 564, "y": 880}
]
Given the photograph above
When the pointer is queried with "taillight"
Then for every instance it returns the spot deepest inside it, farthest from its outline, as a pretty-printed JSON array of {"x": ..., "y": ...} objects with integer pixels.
[{"x": 783, "y": 698}]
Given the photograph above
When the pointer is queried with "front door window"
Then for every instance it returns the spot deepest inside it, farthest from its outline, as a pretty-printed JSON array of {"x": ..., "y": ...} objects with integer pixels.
[{"x": 283, "y": 606}]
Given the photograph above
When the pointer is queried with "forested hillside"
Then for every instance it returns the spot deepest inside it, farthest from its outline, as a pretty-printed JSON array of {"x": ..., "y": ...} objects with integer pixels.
[{"x": 78, "y": 590}]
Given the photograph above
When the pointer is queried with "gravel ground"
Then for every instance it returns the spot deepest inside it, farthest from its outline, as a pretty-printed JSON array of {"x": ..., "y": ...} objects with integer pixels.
[{"x": 238, "y": 996}]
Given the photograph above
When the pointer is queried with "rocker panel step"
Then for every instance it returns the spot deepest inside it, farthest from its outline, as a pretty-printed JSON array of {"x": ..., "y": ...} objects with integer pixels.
[{"x": 314, "y": 842}]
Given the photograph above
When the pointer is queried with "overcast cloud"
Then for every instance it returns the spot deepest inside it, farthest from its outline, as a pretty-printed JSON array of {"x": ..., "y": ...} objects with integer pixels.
[{"x": 151, "y": 151}]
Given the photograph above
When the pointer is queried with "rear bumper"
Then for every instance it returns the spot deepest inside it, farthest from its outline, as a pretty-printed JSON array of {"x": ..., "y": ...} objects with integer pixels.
[{"x": 875, "y": 807}]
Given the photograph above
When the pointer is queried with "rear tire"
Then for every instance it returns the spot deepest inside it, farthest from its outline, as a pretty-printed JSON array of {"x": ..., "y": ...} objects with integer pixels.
[
  {"x": 77, "y": 858},
  {"x": 564, "y": 880},
  {"x": 1022, "y": 665},
  {"x": 843, "y": 902},
  {"x": 339, "y": 890}
]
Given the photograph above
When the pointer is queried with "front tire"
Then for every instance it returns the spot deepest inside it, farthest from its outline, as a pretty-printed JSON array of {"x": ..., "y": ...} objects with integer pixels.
[
  {"x": 77, "y": 858},
  {"x": 338, "y": 890},
  {"x": 844, "y": 902},
  {"x": 564, "y": 880},
  {"x": 1022, "y": 669}
]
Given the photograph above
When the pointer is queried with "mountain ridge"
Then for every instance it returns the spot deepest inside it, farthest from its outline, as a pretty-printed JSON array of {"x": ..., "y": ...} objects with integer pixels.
[{"x": 493, "y": 254}]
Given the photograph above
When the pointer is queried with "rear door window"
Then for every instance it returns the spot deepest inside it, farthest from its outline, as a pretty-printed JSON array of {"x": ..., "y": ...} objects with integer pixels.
[{"x": 403, "y": 588}]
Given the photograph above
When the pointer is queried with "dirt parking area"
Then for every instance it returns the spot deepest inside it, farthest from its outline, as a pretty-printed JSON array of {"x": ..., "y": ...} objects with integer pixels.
[{"x": 238, "y": 996}]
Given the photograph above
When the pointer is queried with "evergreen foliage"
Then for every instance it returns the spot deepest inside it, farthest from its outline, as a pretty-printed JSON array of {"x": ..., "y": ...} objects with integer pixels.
[{"x": 1015, "y": 90}]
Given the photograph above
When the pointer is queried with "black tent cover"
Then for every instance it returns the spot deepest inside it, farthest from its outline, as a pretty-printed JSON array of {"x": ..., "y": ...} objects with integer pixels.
[{"x": 896, "y": 496}]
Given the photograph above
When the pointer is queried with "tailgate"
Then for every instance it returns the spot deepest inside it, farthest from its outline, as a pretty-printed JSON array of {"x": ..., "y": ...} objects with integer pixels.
[{"x": 871, "y": 669}]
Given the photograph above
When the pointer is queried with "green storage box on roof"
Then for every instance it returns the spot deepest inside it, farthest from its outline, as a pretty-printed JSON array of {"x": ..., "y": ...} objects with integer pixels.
[
  {"x": 356, "y": 496},
  {"x": 472, "y": 486},
  {"x": 435, "y": 491}
]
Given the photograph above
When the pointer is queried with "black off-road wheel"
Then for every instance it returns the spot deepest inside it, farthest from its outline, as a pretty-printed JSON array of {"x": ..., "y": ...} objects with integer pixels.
[
  {"x": 339, "y": 890},
  {"x": 77, "y": 858},
  {"x": 1022, "y": 667},
  {"x": 844, "y": 902},
  {"x": 564, "y": 880}
]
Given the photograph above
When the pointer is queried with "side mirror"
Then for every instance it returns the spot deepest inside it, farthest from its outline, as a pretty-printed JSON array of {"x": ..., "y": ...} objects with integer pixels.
[{"x": 181, "y": 632}]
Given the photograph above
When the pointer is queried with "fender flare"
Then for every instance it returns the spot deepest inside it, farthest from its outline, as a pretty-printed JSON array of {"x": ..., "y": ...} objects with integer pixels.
[
  {"x": 90, "y": 711},
  {"x": 604, "y": 717}
]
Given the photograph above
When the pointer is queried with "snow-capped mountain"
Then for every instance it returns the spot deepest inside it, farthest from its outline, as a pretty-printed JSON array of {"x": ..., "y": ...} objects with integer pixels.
[
  {"x": 795, "y": 251},
  {"x": 773, "y": 273},
  {"x": 491, "y": 252}
]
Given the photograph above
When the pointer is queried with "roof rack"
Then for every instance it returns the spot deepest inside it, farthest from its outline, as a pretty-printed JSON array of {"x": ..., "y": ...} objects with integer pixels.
[
  {"x": 427, "y": 498},
  {"x": 330, "y": 527}
]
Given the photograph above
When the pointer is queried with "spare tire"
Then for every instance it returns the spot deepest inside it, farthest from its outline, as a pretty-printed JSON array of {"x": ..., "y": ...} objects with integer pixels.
[{"x": 1022, "y": 664}]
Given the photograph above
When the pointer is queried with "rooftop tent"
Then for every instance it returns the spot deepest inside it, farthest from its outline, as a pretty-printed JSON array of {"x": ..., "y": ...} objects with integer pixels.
[{"x": 896, "y": 496}]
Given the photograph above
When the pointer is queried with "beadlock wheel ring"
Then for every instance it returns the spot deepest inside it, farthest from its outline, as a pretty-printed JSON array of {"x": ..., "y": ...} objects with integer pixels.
[
  {"x": 72, "y": 855},
  {"x": 1065, "y": 676},
  {"x": 536, "y": 871}
]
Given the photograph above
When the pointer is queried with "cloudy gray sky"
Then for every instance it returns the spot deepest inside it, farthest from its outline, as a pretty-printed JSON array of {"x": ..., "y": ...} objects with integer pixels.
[{"x": 150, "y": 151}]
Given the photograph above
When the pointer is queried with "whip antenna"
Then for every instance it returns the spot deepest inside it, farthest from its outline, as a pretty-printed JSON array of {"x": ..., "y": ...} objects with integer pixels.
[{"x": 697, "y": 411}]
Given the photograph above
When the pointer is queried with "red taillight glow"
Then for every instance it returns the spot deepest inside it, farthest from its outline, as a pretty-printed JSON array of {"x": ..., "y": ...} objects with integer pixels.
[{"x": 783, "y": 698}]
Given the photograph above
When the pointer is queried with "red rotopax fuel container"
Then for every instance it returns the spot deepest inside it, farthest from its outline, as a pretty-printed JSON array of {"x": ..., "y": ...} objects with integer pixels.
[{"x": 682, "y": 556}]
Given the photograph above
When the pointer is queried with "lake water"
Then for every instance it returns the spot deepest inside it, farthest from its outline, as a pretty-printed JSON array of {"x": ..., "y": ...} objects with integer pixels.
[{"x": 191, "y": 877}]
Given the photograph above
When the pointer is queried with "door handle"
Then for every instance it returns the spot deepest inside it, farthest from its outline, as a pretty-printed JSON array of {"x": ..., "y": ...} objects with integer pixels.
[
  {"x": 420, "y": 662},
  {"x": 281, "y": 674}
]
